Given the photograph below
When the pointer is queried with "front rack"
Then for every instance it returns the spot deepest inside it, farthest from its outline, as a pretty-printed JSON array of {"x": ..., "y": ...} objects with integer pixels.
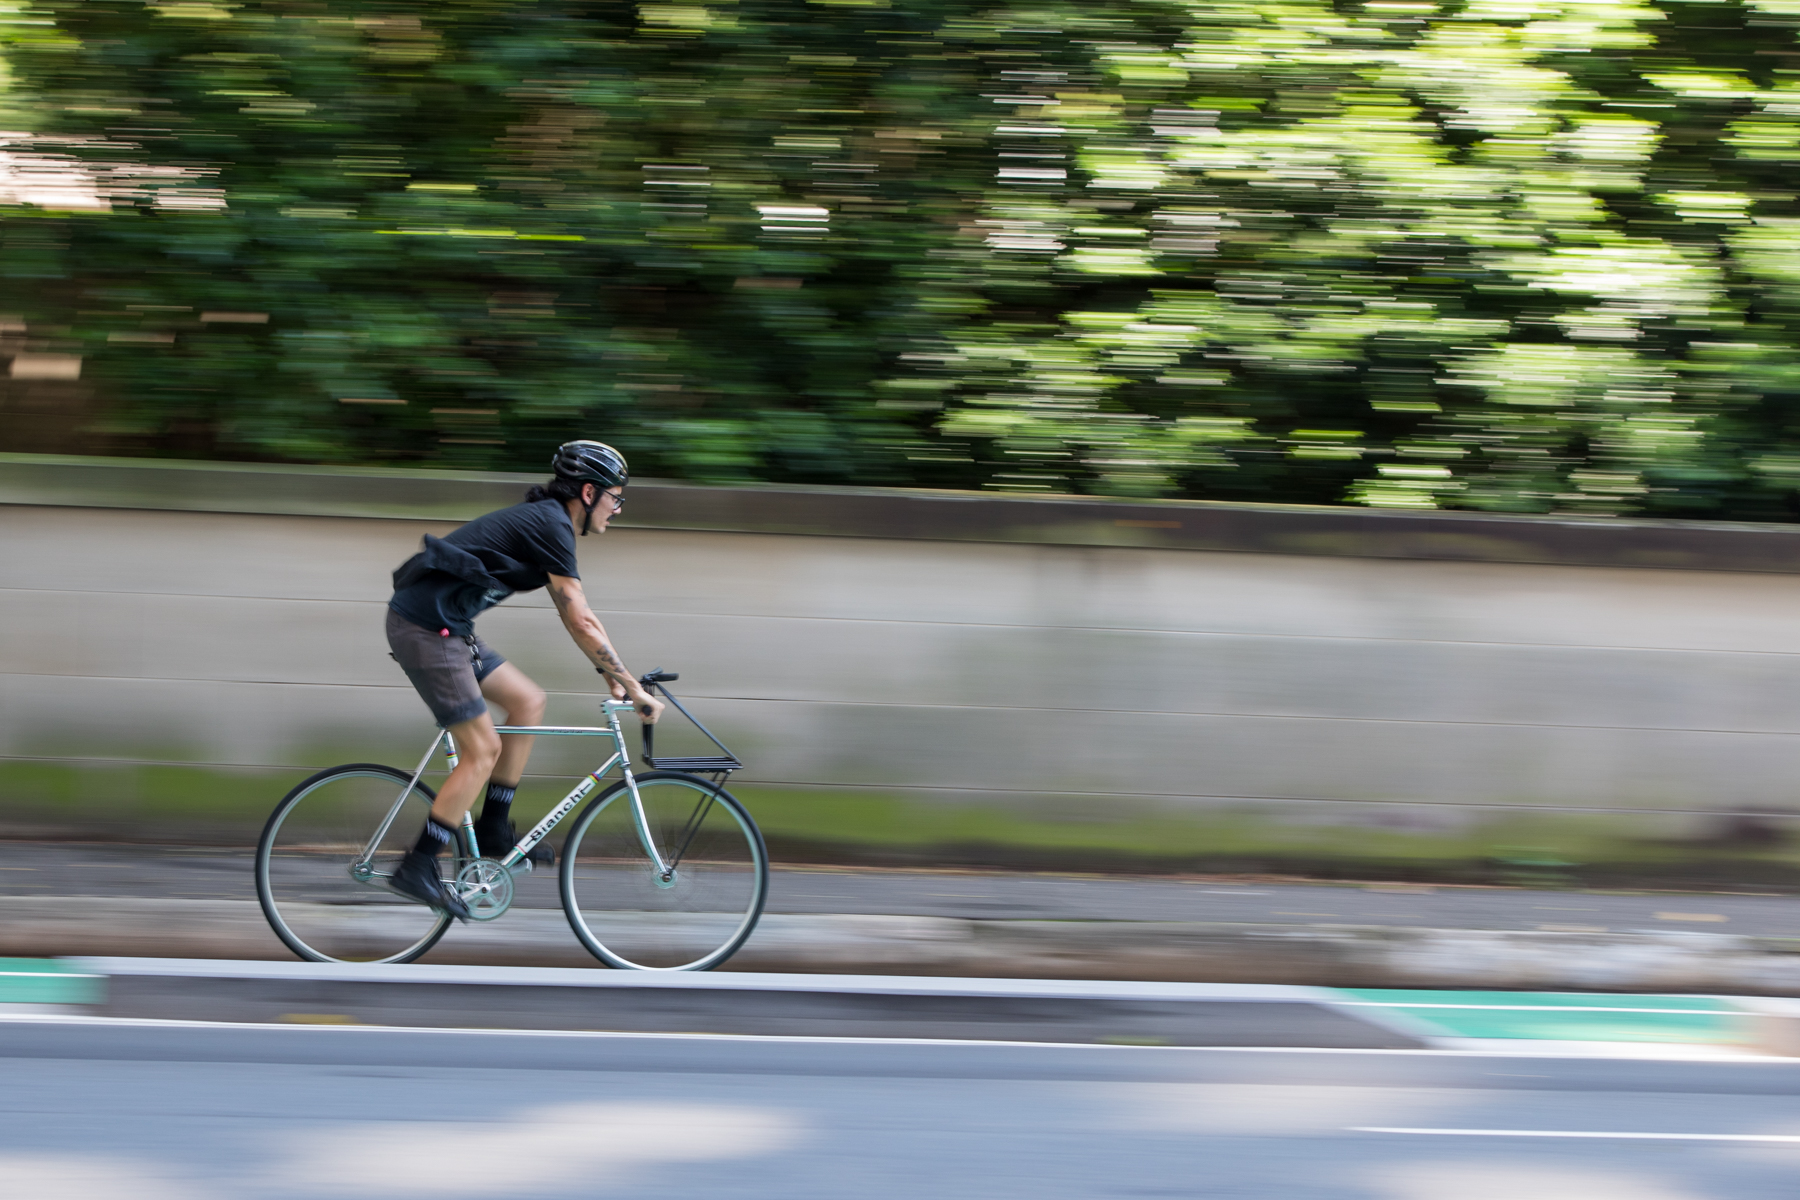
[{"x": 724, "y": 761}]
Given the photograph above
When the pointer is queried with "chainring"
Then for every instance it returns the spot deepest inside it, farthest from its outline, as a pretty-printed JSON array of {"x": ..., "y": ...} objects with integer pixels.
[{"x": 486, "y": 887}]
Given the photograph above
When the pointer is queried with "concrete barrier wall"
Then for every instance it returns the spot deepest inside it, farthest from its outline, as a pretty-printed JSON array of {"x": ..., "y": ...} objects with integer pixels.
[{"x": 910, "y": 698}]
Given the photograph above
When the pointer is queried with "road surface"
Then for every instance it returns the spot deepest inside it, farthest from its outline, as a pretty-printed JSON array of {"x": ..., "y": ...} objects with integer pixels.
[{"x": 146, "y": 1112}]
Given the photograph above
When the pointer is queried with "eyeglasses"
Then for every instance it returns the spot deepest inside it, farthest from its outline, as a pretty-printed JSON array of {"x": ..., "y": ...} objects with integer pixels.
[{"x": 617, "y": 500}]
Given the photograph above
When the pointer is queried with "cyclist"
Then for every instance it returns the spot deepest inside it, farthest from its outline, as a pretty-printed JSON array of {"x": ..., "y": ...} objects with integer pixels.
[{"x": 440, "y": 591}]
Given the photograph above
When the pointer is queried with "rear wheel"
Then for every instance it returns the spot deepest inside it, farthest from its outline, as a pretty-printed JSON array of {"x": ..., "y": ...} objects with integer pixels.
[
  {"x": 324, "y": 898},
  {"x": 626, "y": 913}
]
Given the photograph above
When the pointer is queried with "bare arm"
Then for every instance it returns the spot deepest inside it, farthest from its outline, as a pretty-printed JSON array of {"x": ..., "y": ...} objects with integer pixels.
[{"x": 585, "y": 628}]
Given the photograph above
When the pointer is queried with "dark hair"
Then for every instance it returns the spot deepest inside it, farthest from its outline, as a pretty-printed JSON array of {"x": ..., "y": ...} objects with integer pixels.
[{"x": 557, "y": 489}]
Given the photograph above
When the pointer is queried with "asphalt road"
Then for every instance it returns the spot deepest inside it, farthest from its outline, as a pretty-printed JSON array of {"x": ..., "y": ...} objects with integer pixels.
[
  {"x": 79, "y": 869},
  {"x": 171, "y": 1113}
]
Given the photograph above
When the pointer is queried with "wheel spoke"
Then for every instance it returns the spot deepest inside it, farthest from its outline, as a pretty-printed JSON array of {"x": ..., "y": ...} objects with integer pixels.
[
  {"x": 628, "y": 914},
  {"x": 322, "y": 897}
]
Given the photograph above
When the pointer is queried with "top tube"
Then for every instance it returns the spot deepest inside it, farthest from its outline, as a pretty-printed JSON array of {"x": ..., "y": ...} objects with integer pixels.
[
  {"x": 609, "y": 705},
  {"x": 556, "y": 730}
]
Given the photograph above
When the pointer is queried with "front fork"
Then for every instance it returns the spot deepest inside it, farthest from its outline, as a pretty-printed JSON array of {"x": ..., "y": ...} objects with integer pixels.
[{"x": 665, "y": 872}]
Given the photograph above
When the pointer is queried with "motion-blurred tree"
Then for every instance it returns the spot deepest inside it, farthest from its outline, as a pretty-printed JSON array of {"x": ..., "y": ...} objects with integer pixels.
[{"x": 1519, "y": 255}]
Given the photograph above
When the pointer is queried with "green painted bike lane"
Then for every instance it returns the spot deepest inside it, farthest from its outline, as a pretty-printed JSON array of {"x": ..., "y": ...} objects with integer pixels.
[
  {"x": 47, "y": 981},
  {"x": 1566, "y": 1016}
]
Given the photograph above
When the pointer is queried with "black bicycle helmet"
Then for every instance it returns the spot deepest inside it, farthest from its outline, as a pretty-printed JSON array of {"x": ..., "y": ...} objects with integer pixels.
[{"x": 591, "y": 462}]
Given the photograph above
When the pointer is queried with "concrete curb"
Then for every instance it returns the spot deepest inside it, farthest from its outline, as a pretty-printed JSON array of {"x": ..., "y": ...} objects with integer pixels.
[
  {"x": 1339, "y": 956},
  {"x": 1034, "y": 1010}
]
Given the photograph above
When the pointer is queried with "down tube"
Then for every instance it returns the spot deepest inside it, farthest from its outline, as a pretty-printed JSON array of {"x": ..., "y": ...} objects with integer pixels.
[{"x": 552, "y": 819}]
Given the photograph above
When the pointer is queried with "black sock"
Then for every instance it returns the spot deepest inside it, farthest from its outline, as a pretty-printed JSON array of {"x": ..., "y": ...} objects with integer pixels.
[
  {"x": 498, "y": 805},
  {"x": 433, "y": 838}
]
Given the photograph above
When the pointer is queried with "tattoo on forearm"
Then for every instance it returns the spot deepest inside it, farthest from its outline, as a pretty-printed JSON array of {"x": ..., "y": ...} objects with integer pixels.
[{"x": 609, "y": 662}]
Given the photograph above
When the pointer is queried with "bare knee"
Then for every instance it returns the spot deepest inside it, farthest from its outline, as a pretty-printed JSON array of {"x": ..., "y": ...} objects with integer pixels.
[
  {"x": 512, "y": 690},
  {"x": 479, "y": 748},
  {"x": 526, "y": 706}
]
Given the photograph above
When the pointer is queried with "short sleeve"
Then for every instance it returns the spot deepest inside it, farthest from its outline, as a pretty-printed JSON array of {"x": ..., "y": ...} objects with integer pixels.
[{"x": 555, "y": 542}]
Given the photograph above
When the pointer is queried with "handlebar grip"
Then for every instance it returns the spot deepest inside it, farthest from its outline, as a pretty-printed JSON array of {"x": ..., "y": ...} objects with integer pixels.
[{"x": 658, "y": 676}]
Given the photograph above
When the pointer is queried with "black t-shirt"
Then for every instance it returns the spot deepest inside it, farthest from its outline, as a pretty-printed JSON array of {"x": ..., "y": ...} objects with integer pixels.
[{"x": 457, "y": 578}]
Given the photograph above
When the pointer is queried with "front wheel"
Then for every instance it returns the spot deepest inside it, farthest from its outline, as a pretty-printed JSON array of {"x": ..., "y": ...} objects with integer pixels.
[
  {"x": 691, "y": 919},
  {"x": 324, "y": 896}
]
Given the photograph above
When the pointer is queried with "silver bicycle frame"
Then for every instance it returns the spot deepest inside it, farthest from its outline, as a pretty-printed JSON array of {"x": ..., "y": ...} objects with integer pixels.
[{"x": 620, "y": 758}]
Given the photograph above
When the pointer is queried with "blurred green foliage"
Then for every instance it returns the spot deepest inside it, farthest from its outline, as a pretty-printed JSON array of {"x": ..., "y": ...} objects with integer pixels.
[{"x": 1514, "y": 255}]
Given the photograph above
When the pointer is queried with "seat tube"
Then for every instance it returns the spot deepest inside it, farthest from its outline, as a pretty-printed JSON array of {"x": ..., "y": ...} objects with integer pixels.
[{"x": 468, "y": 821}]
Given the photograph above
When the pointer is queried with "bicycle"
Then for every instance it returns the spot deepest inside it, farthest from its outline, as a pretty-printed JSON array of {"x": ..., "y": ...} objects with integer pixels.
[{"x": 662, "y": 871}]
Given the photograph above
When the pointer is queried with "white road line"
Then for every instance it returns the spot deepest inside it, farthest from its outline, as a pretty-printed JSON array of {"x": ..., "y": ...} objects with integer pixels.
[{"x": 1583, "y": 1133}]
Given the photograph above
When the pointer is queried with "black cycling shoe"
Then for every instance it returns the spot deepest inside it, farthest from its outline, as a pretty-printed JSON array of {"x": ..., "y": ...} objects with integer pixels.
[
  {"x": 417, "y": 878},
  {"x": 495, "y": 842}
]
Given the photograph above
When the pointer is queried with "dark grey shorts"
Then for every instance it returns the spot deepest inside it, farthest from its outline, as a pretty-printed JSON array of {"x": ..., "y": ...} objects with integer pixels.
[{"x": 446, "y": 671}]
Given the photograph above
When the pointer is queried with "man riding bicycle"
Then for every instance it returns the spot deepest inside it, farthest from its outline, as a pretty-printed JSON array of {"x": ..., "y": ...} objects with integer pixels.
[{"x": 440, "y": 591}]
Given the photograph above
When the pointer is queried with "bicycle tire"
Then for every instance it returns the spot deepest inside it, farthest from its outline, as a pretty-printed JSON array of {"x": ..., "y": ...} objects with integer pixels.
[
  {"x": 630, "y": 920},
  {"x": 305, "y": 860}
]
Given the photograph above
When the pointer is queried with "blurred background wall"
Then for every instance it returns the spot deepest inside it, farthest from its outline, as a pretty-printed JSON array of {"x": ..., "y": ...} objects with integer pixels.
[{"x": 929, "y": 678}]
